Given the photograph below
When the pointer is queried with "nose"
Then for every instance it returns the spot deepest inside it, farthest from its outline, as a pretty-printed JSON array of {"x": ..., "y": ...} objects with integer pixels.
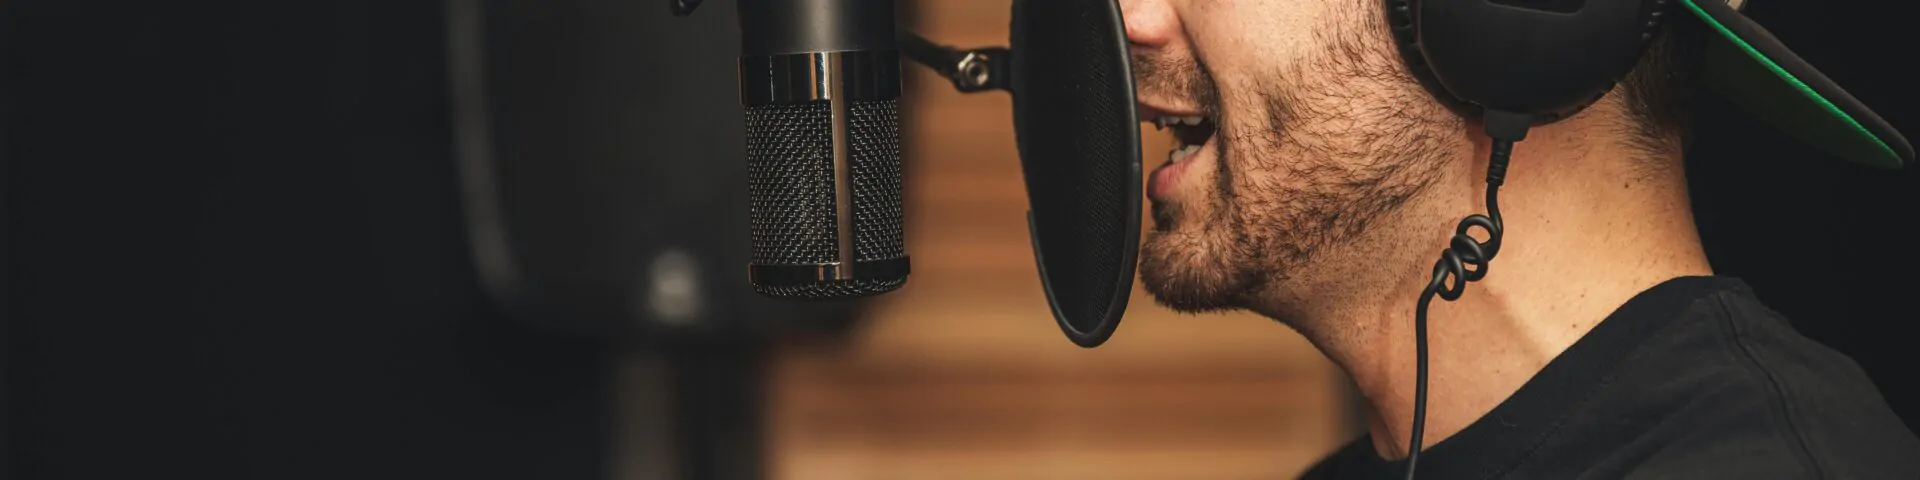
[{"x": 1150, "y": 23}]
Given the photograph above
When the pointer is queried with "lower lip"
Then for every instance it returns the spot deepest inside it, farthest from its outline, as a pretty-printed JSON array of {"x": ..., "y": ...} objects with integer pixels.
[{"x": 1160, "y": 185}]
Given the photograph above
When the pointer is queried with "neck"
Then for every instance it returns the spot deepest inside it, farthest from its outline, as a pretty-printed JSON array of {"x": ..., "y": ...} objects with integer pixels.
[{"x": 1587, "y": 227}]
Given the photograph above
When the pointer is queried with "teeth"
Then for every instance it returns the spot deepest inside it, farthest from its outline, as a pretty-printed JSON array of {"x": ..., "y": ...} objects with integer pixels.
[
  {"x": 1161, "y": 123},
  {"x": 1182, "y": 153}
]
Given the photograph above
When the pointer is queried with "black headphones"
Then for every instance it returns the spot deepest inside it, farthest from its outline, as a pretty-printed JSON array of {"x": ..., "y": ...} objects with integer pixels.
[
  {"x": 1547, "y": 59},
  {"x": 1512, "y": 64}
]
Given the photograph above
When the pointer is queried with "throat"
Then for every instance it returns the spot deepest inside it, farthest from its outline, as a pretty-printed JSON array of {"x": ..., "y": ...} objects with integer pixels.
[{"x": 1570, "y": 258}]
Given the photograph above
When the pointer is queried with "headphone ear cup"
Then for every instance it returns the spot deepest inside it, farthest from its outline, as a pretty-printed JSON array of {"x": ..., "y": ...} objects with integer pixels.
[
  {"x": 1401, "y": 20},
  {"x": 1478, "y": 54}
]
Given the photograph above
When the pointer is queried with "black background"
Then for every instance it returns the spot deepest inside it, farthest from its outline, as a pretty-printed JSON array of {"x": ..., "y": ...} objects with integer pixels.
[
  {"x": 1827, "y": 243},
  {"x": 234, "y": 246}
]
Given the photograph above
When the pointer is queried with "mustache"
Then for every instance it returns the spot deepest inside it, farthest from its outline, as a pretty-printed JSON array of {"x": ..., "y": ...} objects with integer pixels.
[{"x": 1178, "y": 76}]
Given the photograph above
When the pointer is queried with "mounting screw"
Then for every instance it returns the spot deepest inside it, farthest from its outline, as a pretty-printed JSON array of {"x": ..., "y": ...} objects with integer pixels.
[{"x": 974, "y": 71}]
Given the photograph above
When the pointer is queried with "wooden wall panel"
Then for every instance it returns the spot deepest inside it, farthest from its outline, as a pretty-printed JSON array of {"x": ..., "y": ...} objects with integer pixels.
[{"x": 962, "y": 373}]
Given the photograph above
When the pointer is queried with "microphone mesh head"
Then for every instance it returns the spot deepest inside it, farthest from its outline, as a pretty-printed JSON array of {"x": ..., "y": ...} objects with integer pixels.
[{"x": 791, "y": 185}]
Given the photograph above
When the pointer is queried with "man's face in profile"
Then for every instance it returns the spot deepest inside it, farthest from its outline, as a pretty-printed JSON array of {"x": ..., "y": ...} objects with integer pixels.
[{"x": 1309, "y": 131}]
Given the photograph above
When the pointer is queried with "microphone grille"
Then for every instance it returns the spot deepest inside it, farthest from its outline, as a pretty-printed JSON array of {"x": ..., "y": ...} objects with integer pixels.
[
  {"x": 877, "y": 175},
  {"x": 790, "y": 181}
]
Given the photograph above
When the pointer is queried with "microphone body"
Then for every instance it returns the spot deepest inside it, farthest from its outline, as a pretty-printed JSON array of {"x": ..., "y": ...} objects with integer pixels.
[{"x": 820, "y": 82}]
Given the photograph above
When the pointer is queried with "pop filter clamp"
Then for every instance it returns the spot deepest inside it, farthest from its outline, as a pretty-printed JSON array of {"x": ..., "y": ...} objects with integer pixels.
[{"x": 971, "y": 71}]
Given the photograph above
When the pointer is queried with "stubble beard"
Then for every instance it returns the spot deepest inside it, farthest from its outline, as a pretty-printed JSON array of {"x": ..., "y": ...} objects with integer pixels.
[{"x": 1309, "y": 157}]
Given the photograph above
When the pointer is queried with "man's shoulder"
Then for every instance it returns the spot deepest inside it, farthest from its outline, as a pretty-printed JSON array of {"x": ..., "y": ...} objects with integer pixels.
[
  {"x": 1731, "y": 389},
  {"x": 1802, "y": 399},
  {"x": 1719, "y": 386}
]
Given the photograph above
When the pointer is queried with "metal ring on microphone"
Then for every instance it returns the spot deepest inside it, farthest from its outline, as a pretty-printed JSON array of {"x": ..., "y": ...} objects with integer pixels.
[
  {"x": 802, "y": 275},
  {"x": 806, "y": 77}
]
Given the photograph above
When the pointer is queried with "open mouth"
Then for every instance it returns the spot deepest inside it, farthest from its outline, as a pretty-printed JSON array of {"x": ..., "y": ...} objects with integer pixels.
[{"x": 1189, "y": 134}]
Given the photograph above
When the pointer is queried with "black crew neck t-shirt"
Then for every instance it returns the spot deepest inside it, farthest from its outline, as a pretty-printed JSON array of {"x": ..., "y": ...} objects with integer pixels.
[{"x": 1691, "y": 379}]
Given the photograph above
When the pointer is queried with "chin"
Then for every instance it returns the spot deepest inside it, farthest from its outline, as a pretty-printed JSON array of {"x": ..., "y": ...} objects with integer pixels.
[{"x": 1183, "y": 274}]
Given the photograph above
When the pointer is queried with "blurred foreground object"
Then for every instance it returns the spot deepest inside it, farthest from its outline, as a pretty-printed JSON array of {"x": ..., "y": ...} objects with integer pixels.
[{"x": 235, "y": 251}]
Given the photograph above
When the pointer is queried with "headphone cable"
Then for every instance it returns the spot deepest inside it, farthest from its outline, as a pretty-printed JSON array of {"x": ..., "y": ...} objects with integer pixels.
[{"x": 1464, "y": 250}]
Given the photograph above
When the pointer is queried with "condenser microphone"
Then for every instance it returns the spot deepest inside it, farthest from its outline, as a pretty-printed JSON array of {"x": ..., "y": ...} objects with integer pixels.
[{"x": 820, "y": 82}]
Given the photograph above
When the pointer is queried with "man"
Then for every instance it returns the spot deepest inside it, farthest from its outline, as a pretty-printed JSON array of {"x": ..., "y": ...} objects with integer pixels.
[{"x": 1316, "y": 182}]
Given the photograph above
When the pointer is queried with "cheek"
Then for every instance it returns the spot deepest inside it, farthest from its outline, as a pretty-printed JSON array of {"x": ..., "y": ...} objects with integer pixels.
[
  {"x": 1244, "y": 31},
  {"x": 1247, "y": 140}
]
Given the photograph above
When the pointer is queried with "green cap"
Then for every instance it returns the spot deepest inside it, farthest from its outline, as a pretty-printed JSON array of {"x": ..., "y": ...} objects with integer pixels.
[{"x": 1752, "y": 69}]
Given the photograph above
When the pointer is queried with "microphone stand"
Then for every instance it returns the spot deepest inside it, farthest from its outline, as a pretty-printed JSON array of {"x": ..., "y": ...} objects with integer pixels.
[{"x": 719, "y": 398}]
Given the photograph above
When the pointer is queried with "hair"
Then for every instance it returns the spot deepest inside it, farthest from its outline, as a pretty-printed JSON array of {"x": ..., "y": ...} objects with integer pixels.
[{"x": 1659, "y": 92}]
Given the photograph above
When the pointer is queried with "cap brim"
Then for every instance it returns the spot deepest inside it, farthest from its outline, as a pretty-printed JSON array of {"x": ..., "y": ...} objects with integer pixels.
[{"x": 1753, "y": 70}]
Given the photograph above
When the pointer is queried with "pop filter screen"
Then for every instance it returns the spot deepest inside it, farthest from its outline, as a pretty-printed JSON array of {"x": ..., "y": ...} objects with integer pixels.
[{"x": 1079, "y": 139}]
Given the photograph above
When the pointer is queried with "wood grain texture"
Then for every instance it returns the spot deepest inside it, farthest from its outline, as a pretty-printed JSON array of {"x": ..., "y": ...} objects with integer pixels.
[{"x": 962, "y": 374}]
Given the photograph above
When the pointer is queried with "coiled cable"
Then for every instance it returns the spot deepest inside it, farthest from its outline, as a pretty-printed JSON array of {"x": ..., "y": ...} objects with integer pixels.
[{"x": 1463, "y": 252}]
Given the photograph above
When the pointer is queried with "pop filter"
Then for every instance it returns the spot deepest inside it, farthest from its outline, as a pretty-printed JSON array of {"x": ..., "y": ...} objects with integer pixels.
[{"x": 1078, "y": 135}]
